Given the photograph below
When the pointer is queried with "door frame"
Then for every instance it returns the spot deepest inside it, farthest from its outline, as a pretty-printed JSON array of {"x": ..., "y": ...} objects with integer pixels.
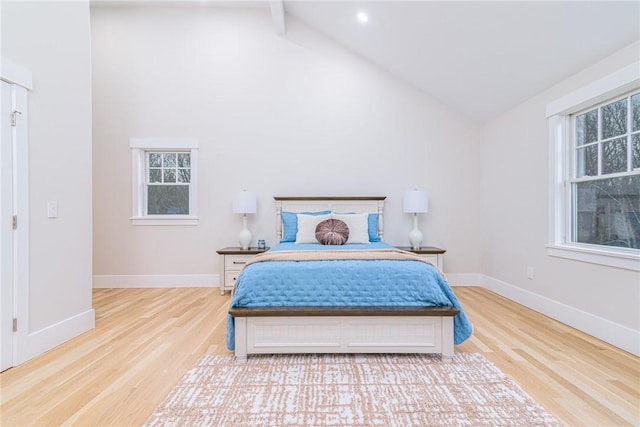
[{"x": 21, "y": 80}]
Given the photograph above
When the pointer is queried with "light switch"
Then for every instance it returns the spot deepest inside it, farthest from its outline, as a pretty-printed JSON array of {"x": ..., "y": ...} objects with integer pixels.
[{"x": 52, "y": 210}]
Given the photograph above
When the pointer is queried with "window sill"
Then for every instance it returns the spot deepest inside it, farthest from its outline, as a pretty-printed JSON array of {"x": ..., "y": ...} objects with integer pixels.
[
  {"x": 618, "y": 259},
  {"x": 165, "y": 220}
]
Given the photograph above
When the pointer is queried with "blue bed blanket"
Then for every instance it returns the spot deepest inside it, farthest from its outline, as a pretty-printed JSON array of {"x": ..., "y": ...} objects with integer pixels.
[{"x": 339, "y": 282}]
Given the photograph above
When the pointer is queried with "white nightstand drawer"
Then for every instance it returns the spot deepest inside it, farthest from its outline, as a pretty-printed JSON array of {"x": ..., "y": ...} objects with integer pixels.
[
  {"x": 230, "y": 279},
  {"x": 235, "y": 262},
  {"x": 431, "y": 253},
  {"x": 232, "y": 261},
  {"x": 432, "y": 258}
]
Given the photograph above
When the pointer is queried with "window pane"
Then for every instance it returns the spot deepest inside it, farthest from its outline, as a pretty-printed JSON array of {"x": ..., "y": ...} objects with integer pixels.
[
  {"x": 155, "y": 175},
  {"x": 607, "y": 212},
  {"x": 587, "y": 128},
  {"x": 184, "y": 175},
  {"x": 168, "y": 200},
  {"x": 169, "y": 160},
  {"x": 155, "y": 160},
  {"x": 169, "y": 175},
  {"x": 635, "y": 148},
  {"x": 635, "y": 112},
  {"x": 184, "y": 160},
  {"x": 587, "y": 161},
  {"x": 614, "y": 156},
  {"x": 614, "y": 119}
]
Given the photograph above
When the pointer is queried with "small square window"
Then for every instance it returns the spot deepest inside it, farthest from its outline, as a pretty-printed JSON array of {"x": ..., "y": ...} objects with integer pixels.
[{"x": 165, "y": 186}]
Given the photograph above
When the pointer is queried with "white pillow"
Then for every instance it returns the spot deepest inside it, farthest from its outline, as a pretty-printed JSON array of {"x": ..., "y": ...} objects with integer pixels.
[
  {"x": 307, "y": 227},
  {"x": 358, "y": 226}
]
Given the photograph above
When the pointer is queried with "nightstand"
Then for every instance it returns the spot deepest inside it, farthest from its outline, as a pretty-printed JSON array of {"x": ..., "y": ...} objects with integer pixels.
[
  {"x": 433, "y": 254},
  {"x": 233, "y": 260}
]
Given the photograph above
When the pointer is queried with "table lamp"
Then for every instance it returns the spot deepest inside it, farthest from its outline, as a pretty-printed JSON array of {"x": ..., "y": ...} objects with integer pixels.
[
  {"x": 244, "y": 202},
  {"x": 415, "y": 202}
]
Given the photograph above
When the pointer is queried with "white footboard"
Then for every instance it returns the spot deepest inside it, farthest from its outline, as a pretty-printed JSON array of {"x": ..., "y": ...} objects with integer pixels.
[{"x": 268, "y": 331}]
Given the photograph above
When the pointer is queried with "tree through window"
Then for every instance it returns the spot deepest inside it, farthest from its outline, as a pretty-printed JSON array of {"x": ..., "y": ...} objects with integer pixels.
[
  {"x": 605, "y": 188},
  {"x": 164, "y": 181},
  {"x": 168, "y": 179}
]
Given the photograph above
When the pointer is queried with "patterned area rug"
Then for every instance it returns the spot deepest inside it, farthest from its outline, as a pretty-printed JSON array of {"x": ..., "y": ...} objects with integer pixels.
[{"x": 348, "y": 390}]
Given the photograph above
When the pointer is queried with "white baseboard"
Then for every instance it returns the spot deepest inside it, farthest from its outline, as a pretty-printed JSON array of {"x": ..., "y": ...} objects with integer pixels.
[
  {"x": 157, "y": 281},
  {"x": 613, "y": 333},
  {"x": 465, "y": 279},
  {"x": 34, "y": 344}
]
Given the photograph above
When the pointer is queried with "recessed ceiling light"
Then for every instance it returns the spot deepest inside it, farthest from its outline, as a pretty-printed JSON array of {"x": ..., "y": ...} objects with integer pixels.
[{"x": 362, "y": 17}]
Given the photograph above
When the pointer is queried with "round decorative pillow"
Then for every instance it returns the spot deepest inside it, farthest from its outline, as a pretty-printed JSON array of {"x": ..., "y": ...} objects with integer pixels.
[{"x": 332, "y": 232}]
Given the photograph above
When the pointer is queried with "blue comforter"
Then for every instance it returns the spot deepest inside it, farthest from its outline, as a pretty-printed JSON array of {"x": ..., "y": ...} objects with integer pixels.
[{"x": 344, "y": 283}]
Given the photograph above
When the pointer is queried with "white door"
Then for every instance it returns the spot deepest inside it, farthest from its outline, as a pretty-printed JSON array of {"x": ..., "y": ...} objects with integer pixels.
[{"x": 7, "y": 233}]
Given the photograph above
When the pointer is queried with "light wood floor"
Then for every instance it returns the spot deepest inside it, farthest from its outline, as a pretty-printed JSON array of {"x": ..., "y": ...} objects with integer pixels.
[{"x": 146, "y": 339}]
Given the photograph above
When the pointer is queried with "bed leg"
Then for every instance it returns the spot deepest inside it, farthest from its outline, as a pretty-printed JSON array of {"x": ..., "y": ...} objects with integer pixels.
[
  {"x": 241, "y": 339},
  {"x": 447, "y": 339}
]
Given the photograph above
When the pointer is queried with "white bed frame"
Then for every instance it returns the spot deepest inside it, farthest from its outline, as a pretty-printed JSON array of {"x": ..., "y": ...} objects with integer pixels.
[{"x": 274, "y": 330}]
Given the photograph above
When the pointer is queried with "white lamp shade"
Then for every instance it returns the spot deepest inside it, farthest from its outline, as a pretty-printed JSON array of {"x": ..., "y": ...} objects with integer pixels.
[
  {"x": 244, "y": 202},
  {"x": 415, "y": 201}
]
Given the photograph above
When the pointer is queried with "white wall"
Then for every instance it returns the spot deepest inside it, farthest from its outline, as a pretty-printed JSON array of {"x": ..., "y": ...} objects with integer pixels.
[
  {"x": 602, "y": 300},
  {"x": 292, "y": 115},
  {"x": 52, "y": 40}
]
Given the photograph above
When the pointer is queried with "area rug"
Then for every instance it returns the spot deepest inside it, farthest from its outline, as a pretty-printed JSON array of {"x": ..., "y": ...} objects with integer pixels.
[{"x": 348, "y": 390}]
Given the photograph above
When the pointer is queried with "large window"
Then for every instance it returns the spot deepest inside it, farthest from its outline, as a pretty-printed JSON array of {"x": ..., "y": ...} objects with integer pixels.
[
  {"x": 594, "y": 169},
  {"x": 605, "y": 188},
  {"x": 164, "y": 181}
]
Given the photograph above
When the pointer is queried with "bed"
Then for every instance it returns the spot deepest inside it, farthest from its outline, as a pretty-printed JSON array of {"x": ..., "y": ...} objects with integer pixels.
[{"x": 364, "y": 296}]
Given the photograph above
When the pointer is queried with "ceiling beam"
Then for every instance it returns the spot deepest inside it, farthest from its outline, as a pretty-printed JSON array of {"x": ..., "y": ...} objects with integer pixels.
[{"x": 278, "y": 15}]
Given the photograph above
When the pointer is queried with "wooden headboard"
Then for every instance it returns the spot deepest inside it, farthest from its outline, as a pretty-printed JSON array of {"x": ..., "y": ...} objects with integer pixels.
[{"x": 341, "y": 204}]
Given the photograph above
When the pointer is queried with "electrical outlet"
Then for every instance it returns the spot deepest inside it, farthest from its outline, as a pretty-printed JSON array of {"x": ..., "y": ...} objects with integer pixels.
[{"x": 529, "y": 272}]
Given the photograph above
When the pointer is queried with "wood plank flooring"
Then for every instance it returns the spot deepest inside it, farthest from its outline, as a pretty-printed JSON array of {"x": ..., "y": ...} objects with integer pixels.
[{"x": 146, "y": 339}]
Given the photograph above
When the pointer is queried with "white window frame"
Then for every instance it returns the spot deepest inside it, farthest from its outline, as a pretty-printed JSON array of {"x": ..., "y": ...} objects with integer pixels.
[
  {"x": 139, "y": 149},
  {"x": 559, "y": 114}
]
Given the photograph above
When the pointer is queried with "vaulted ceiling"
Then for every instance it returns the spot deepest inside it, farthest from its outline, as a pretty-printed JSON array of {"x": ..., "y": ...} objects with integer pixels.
[{"x": 478, "y": 57}]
